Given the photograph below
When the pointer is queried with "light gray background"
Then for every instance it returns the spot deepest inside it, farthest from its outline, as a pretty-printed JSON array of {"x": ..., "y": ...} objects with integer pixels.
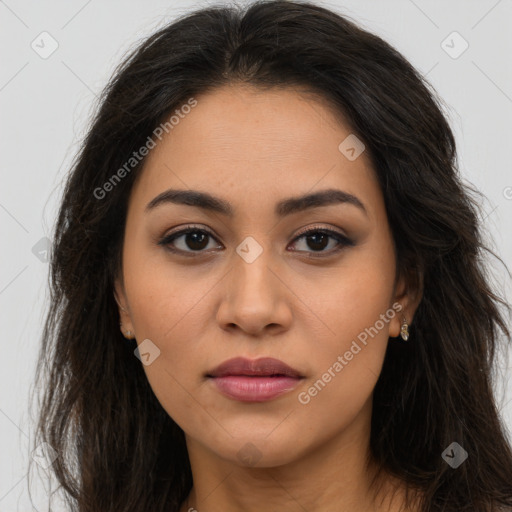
[{"x": 45, "y": 104}]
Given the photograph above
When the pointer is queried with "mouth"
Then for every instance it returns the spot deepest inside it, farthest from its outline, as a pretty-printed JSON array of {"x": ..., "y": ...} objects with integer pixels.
[{"x": 256, "y": 380}]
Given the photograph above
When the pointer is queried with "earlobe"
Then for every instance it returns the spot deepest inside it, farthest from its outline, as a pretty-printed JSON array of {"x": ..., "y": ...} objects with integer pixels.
[
  {"x": 409, "y": 301},
  {"x": 125, "y": 323},
  {"x": 399, "y": 307},
  {"x": 395, "y": 322}
]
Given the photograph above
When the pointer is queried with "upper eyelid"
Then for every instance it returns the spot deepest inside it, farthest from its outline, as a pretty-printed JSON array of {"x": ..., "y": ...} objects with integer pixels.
[
  {"x": 331, "y": 232},
  {"x": 183, "y": 230},
  {"x": 313, "y": 228}
]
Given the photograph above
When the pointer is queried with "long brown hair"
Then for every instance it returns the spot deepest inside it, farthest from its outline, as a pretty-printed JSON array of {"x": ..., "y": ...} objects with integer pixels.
[{"x": 118, "y": 448}]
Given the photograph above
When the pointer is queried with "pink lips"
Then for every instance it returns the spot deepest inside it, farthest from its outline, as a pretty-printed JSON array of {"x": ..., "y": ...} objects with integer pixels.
[{"x": 256, "y": 380}]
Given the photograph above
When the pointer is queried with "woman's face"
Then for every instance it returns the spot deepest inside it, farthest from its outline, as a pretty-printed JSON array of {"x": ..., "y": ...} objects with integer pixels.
[{"x": 247, "y": 283}]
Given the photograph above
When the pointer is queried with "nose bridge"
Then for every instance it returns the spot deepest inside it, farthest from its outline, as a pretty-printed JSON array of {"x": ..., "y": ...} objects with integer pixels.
[
  {"x": 253, "y": 299},
  {"x": 252, "y": 277}
]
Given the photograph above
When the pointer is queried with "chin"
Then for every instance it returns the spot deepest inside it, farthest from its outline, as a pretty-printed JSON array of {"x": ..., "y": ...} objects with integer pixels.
[{"x": 260, "y": 450}]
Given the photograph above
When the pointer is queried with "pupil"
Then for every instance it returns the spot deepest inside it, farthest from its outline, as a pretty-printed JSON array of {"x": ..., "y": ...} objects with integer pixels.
[
  {"x": 196, "y": 240},
  {"x": 317, "y": 244}
]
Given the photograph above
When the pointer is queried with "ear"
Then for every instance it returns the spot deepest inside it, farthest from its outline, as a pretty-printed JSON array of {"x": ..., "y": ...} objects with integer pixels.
[
  {"x": 406, "y": 300},
  {"x": 124, "y": 311}
]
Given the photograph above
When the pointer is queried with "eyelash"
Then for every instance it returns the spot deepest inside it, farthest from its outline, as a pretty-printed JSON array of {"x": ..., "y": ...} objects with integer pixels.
[{"x": 342, "y": 240}]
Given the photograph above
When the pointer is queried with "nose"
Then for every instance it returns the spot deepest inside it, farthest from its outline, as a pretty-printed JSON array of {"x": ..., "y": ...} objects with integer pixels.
[{"x": 255, "y": 299}]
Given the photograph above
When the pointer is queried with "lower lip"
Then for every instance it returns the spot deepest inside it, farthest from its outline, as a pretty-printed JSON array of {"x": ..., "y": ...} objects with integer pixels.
[{"x": 254, "y": 389}]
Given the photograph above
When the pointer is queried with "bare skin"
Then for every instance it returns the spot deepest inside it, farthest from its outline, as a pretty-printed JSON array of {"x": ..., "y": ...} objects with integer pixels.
[{"x": 294, "y": 302}]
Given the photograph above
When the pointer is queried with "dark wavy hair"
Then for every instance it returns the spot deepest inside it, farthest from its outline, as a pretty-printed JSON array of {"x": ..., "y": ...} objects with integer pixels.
[{"x": 118, "y": 448}]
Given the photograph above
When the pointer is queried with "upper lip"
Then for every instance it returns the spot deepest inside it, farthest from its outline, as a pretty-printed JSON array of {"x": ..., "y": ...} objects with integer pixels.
[{"x": 264, "y": 366}]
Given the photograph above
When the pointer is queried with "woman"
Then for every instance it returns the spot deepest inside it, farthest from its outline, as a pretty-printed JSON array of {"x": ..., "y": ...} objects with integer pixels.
[{"x": 267, "y": 285}]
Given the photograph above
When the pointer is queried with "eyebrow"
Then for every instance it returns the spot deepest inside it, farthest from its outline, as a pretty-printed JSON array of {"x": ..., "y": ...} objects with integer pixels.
[{"x": 285, "y": 207}]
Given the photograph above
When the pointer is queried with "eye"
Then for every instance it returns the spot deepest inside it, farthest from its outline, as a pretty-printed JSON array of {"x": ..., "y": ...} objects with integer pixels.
[
  {"x": 193, "y": 240},
  {"x": 196, "y": 240},
  {"x": 319, "y": 238}
]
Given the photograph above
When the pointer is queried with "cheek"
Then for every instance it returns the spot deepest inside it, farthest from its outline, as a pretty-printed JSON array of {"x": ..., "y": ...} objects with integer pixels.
[
  {"x": 348, "y": 358},
  {"x": 360, "y": 291},
  {"x": 171, "y": 306},
  {"x": 173, "y": 317},
  {"x": 173, "y": 322},
  {"x": 164, "y": 297},
  {"x": 347, "y": 364}
]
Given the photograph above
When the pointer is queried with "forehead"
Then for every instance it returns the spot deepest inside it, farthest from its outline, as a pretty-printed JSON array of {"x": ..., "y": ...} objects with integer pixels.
[
  {"x": 242, "y": 122},
  {"x": 246, "y": 142}
]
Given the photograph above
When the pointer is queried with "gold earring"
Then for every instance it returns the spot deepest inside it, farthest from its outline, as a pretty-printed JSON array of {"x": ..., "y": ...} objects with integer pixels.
[{"x": 404, "y": 330}]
